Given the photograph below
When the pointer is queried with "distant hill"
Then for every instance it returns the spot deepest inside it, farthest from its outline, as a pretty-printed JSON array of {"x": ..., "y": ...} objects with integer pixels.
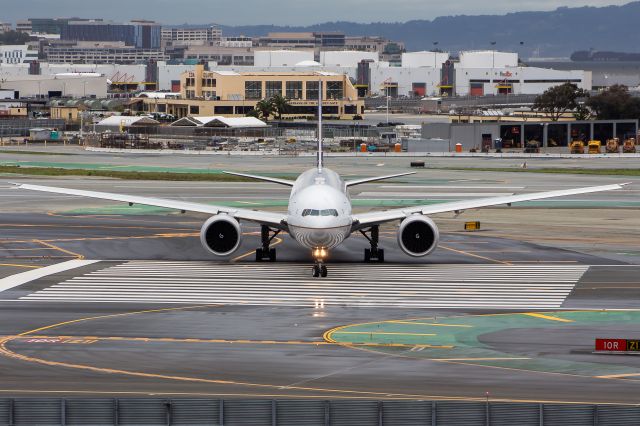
[{"x": 548, "y": 34}]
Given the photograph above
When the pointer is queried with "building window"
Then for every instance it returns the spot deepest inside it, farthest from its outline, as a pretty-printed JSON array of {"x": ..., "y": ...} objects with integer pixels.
[
  {"x": 273, "y": 88},
  {"x": 243, "y": 110},
  {"x": 312, "y": 90},
  {"x": 224, "y": 109},
  {"x": 294, "y": 89},
  {"x": 190, "y": 81},
  {"x": 194, "y": 109},
  {"x": 253, "y": 89},
  {"x": 335, "y": 90}
]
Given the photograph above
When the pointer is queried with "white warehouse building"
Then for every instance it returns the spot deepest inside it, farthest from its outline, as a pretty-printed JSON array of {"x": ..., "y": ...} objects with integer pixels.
[
  {"x": 281, "y": 58},
  {"x": 473, "y": 74},
  {"x": 424, "y": 59},
  {"x": 347, "y": 58}
]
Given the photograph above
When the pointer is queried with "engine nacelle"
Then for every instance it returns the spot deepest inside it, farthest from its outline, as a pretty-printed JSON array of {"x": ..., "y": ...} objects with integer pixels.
[
  {"x": 221, "y": 235},
  {"x": 418, "y": 236}
]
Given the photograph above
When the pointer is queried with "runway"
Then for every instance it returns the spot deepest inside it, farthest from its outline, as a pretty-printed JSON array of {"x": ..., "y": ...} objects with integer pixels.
[
  {"x": 196, "y": 327},
  {"x": 144, "y": 310}
]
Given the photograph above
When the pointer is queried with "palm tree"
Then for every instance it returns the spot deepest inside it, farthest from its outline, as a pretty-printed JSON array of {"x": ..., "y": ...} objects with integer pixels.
[
  {"x": 265, "y": 108},
  {"x": 280, "y": 104}
]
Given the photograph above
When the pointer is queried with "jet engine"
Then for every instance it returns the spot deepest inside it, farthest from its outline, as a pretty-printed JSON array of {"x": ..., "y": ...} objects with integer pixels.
[
  {"x": 418, "y": 235},
  {"x": 221, "y": 235}
]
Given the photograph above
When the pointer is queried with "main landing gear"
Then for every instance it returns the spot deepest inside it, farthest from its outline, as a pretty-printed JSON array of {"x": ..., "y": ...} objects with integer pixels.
[
  {"x": 265, "y": 253},
  {"x": 373, "y": 254}
]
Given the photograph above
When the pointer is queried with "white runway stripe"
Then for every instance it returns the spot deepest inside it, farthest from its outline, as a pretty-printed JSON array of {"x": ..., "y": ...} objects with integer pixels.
[{"x": 409, "y": 286}]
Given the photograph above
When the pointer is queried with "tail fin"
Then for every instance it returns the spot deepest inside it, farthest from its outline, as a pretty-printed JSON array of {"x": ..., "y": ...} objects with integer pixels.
[{"x": 319, "y": 126}]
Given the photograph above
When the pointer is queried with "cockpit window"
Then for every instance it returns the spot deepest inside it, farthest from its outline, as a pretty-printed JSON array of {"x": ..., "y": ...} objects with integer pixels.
[{"x": 325, "y": 212}]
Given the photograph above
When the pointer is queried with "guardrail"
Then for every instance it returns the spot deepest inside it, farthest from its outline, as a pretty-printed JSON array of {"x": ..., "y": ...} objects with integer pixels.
[{"x": 232, "y": 412}]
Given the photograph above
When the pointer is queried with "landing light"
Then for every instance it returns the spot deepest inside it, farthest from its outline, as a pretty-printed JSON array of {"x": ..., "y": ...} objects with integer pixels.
[{"x": 320, "y": 253}]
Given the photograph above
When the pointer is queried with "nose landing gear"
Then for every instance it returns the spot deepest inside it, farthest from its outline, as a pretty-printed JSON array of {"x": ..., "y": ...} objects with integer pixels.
[{"x": 319, "y": 270}]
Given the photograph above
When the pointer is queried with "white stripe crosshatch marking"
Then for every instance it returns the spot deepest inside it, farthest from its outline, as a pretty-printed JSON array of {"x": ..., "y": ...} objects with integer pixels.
[{"x": 357, "y": 285}]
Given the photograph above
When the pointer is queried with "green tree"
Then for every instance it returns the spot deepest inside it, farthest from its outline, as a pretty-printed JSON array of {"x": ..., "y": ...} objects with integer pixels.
[
  {"x": 615, "y": 103},
  {"x": 253, "y": 113},
  {"x": 557, "y": 100},
  {"x": 582, "y": 113},
  {"x": 281, "y": 105},
  {"x": 14, "y": 37},
  {"x": 265, "y": 108}
]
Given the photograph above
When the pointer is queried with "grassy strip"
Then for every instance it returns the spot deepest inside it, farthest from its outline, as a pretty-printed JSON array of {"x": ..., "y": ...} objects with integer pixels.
[
  {"x": 15, "y": 151},
  {"x": 118, "y": 174},
  {"x": 598, "y": 172}
]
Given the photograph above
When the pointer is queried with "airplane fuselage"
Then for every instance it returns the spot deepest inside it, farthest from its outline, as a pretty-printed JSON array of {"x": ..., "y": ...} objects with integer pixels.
[{"x": 319, "y": 213}]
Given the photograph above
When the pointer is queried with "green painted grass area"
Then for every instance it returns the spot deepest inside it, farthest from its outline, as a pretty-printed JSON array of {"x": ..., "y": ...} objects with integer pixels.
[
  {"x": 559, "y": 170},
  {"x": 463, "y": 334},
  {"x": 127, "y": 173}
]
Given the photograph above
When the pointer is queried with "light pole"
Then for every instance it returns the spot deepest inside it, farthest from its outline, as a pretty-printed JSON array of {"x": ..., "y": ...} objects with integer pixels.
[
  {"x": 435, "y": 67},
  {"x": 493, "y": 60},
  {"x": 387, "y": 104}
]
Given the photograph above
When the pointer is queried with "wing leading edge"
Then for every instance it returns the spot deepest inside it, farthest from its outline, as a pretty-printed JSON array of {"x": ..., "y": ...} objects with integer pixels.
[
  {"x": 276, "y": 220},
  {"x": 374, "y": 218},
  {"x": 263, "y": 178}
]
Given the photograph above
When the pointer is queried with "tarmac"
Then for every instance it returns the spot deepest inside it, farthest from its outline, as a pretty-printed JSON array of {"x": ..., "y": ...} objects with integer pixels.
[{"x": 127, "y": 303}]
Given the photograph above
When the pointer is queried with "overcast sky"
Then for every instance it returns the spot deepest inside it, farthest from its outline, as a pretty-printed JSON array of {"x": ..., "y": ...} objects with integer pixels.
[{"x": 280, "y": 12}]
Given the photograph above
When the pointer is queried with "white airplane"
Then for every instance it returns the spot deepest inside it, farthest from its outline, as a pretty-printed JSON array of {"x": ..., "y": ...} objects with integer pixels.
[{"x": 319, "y": 216}]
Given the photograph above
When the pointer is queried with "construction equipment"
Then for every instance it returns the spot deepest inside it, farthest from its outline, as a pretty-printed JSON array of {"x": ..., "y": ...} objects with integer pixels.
[
  {"x": 532, "y": 147},
  {"x": 629, "y": 146},
  {"x": 613, "y": 146},
  {"x": 577, "y": 147},
  {"x": 594, "y": 147}
]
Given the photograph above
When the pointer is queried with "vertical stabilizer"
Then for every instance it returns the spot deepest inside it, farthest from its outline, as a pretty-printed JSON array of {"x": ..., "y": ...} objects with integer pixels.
[{"x": 320, "y": 126}]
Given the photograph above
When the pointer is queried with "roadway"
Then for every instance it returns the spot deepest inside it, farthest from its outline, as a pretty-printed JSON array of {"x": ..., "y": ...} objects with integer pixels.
[{"x": 154, "y": 315}]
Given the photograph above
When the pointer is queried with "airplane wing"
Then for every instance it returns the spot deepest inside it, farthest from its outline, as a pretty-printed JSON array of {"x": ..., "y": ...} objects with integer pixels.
[
  {"x": 373, "y": 179},
  {"x": 276, "y": 220},
  {"x": 364, "y": 220},
  {"x": 264, "y": 178}
]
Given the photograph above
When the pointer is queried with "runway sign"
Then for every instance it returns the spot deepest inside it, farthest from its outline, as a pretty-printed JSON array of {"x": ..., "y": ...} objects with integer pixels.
[{"x": 617, "y": 345}]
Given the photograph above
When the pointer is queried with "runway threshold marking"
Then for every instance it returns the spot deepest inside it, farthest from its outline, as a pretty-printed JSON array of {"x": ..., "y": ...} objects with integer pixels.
[{"x": 547, "y": 317}]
